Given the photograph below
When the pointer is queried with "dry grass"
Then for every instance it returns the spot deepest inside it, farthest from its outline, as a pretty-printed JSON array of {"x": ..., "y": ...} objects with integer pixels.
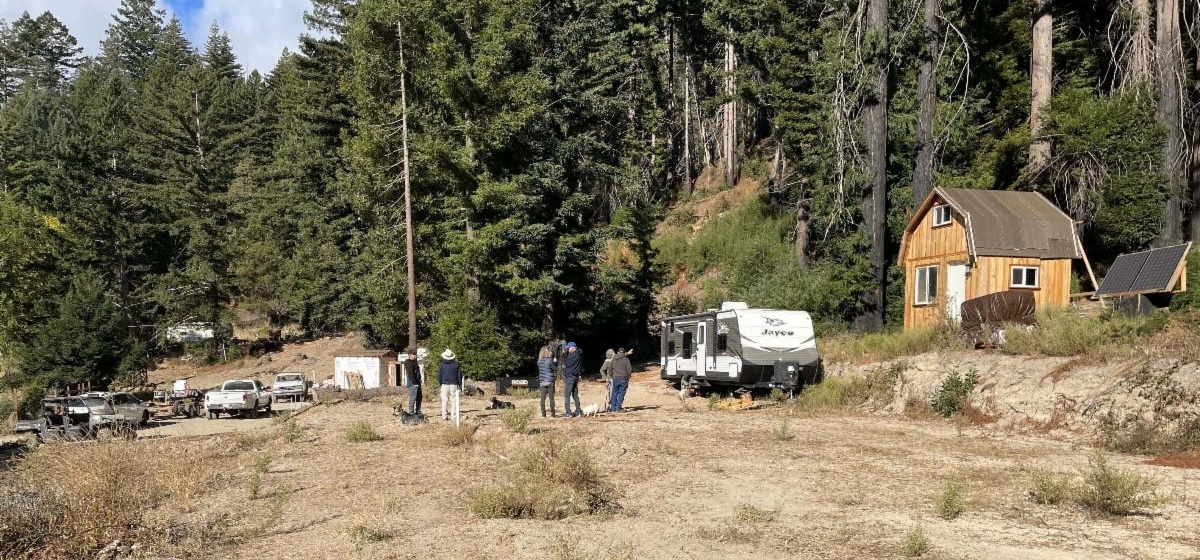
[
  {"x": 71, "y": 499},
  {"x": 782, "y": 432},
  {"x": 840, "y": 393},
  {"x": 459, "y": 436},
  {"x": 556, "y": 479},
  {"x": 747, "y": 513},
  {"x": 878, "y": 347}
]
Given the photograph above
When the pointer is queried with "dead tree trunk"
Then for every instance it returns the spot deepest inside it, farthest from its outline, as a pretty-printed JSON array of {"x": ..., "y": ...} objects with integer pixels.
[
  {"x": 1041, "y": 75},
  {"x": 1195, "y": 128},
  {"x": 729, "y": 114},
  {"x": 1169, "y": 58},
  {"x": 1137, "y": 60},
  {"x": 408, "y": 225},
  {"x": 875, "y": 132},
  {"x": 927, "y": 94}
]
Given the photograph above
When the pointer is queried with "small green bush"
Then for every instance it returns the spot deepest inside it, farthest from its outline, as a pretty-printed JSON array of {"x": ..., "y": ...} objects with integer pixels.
[
  {"x": 362, "y": 432},
  {"x": 517, "y": 419},
  {"x": 1051, "y": 488},
  {"x": 777, "y": 395},
  {"x": 747, "y": 513},
  {"x": 460, "y": 435},
  {"x": 1115, "y": 491},
  {"x": 291, "y": 431},
  {"x": 953, "y": 393},
  {"x": 713, "y": 400},
  {"x": 783, "y": 432},
  {"x": 915, "y": 544},
  {"x": 950, "y": 505},
  {"x": 362, "y": 535},
  {"x": 30, "y": 405},
  {"x": 834, "y": 393}
]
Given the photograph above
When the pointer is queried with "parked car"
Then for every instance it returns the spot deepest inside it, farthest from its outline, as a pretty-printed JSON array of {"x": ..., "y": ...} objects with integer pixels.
[
  {"x": 239, "y": 396},
  {"x": 75, "y": 418},
  {"x": 290, "y": 386},
  {"x": 129, "y": 407}
]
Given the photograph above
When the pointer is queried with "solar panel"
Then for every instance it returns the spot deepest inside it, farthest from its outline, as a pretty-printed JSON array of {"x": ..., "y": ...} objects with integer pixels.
[
  {"x": 1159, "y": 270},
  {"x": 1122, "y": 274},
  {"x": 1144, "y": 272}
]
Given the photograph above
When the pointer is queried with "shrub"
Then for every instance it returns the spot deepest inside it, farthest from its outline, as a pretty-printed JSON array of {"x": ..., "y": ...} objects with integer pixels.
[
  {"x": 476, "y": 335},
  {"x": 1115, "y": 491},
  {"x": 950, "y": 505},
  {"x": 362, "y": 432},
  {"x": 850, "y": 392},
  {"x": 714, "y": 399},
  {"x": 361, "y": 535},
  {"x": 291, "y": 431},
  {"x": 747, "y": 513},
  {"x": 460, "y": 435},
  {"x": 1144, "y": 437},
  {"x": 915, "y": 544},
  {"x": 777, "y": 395},
  {"x": 782, "y": 432},
  {"x": 1051, "y": 488},
  {"x": 557, "y": 479},
  {"x": 30, "y": 405},
  {"x": 1062, "y": 332},
  {"x": 517, "y": 419},
  {"x": 953, "y": 393},
  {"x": 7, "y": 410}
]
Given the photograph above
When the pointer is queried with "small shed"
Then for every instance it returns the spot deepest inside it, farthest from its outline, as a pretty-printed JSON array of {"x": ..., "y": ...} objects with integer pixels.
[
  {"x": 966, "y": 243},
  {"x": 364, "y": 369}
]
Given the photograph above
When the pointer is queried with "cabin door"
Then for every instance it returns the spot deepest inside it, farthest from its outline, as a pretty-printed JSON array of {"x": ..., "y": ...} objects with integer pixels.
[
  {"x": 956, "y": 291},
  {"x": 701, "y": 347}
]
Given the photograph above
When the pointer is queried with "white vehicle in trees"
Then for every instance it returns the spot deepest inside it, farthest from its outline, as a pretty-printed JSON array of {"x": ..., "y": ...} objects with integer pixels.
[
  {"x": 239, "y": 396},
  {"x": 739, "y": 348}
]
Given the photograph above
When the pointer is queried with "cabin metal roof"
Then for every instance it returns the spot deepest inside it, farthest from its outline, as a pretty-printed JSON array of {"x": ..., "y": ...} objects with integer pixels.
[{"x": 1010, "y": 223}]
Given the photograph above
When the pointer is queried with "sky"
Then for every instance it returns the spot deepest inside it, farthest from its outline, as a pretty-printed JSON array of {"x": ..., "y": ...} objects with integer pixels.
[{"x": 258, "y": 29}]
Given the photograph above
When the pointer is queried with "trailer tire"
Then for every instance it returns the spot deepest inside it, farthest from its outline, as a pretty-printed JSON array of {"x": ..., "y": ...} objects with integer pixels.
[
  {"x": 685, "y": 387},
  {"x": 145, "y": 418},
  {"x": 212, "y": 415}
]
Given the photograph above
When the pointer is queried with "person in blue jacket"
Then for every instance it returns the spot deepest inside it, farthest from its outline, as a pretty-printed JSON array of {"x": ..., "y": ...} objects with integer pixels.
[
  {"x": 450, "y": 376},
  {"x": 572, "y": 370},
  {"x": 545, "y": 368}
]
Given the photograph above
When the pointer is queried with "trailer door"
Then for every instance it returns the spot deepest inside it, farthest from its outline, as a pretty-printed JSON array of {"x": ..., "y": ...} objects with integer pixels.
[{"x": 701, "y": 347}]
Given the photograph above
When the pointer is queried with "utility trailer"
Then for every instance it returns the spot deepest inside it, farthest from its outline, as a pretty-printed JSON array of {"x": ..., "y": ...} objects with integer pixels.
[
  {"x": 737, "y": 348},
  {"x": 179, "y": 401}
]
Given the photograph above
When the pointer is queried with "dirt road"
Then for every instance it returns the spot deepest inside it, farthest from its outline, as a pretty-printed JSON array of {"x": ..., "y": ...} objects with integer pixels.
[{"x": 225, "y": 424}]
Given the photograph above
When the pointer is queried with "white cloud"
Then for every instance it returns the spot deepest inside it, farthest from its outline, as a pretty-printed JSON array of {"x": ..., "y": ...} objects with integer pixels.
[
  {"x": 86, "y": 19},
  {"x": 258, "y": 29}
]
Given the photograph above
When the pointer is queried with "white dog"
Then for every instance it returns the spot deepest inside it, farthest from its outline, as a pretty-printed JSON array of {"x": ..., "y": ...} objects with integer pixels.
[{"x": 591, "y": 409}]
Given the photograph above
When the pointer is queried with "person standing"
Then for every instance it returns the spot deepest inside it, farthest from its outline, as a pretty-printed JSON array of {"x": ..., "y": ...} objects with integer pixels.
[
  {"x": 412, "y": 376},
  {"x": 450, "y": 376},
  {"x": 622, "y": 370},
  {"x": 545, "y": 367},
  {"x": 606, "y": 374},
  {"x": 572, "y": 369}
]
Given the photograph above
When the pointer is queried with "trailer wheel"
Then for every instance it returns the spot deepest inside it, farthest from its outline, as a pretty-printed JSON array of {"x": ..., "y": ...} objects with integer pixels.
[
  {"x": 145, "y": 417},
  {"x": 685, "y": 387},
  {"x": 212, "y": 415}
]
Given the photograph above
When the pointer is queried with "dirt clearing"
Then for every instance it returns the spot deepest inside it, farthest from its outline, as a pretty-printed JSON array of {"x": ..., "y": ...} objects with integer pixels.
[{"x": 690, "y": 484}]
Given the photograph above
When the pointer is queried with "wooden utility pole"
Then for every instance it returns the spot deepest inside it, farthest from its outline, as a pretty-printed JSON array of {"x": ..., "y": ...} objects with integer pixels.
[{"x": 408, "y": 229}]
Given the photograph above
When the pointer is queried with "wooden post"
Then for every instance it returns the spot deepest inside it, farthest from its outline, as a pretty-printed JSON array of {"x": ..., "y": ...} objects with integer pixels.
[{"x": 408, "y": 228}]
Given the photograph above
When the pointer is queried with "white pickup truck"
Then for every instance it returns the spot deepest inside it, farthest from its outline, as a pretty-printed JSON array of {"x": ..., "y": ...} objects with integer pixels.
[{"x": 238, "y": 396}]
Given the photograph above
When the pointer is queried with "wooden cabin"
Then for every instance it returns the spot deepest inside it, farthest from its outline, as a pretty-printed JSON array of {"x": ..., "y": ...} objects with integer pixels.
[{"x": 966, "y": 243}]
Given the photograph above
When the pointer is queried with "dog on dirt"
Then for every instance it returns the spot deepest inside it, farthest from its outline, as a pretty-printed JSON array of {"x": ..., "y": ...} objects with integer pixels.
[
  {"x": 591, "y": 409},
  {"x": 497, "y": 404},
  {"x": 407, "y": 418}
]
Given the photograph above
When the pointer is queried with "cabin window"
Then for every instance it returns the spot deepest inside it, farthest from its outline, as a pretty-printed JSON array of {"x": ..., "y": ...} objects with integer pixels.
[
  {"x": 941, "y": 215},
  {"x": 1024, "y": 277},
  {"x": 687, "y": 344},
  {"x": 927, "y": 285}
]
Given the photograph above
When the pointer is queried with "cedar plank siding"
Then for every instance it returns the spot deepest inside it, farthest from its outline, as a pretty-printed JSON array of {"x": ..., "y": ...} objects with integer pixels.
[{"x": 944, "y": 245}]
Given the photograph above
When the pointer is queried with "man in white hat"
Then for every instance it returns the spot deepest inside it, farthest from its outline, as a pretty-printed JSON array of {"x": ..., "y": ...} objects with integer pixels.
[{"x": 450, "y": 376}]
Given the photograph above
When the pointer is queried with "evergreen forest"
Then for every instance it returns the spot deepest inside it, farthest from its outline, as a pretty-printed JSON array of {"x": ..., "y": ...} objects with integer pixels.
[{"x": 555, "y": 154}]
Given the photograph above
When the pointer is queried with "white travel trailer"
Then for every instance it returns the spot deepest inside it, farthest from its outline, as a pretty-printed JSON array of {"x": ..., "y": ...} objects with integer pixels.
[{"x": 740, "y": 348}]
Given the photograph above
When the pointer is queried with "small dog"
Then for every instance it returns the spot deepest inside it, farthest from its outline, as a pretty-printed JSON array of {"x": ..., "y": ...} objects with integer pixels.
[
  {"x": 406, "y": 418},
  {"x": 591, "y": 409},
  {"x": 497, "y": 404}
]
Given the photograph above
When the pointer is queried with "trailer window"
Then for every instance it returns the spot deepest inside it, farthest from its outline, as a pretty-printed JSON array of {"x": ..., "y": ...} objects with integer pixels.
[
  {"x": 687, "y": 344},
  {"x": 671, "y": 348},
  {"x": 722, "y": 342}
]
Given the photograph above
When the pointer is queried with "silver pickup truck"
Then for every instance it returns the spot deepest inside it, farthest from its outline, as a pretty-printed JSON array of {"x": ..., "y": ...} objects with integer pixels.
[
  {"x": 290, "y": 386},
  {"x": 238, "y": 396}
]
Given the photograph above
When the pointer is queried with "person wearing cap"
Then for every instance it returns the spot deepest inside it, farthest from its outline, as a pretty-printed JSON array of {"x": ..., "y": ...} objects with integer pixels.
[
  {"x": 450, "y": 376},
  {"x": 412, "y": 377},
  {"x": 572, "y": 369},
  {"x": 622, "y": 370}
]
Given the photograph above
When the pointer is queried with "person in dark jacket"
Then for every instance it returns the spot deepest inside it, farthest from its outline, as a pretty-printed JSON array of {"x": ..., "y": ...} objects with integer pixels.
[
  {"x": 622, "y": 370},
  {"x": 412, "y": 377},
  {"x": 450, "y": 376},
  {"x": 545, "y": 367},
  {"x": 572, "y": 369}
]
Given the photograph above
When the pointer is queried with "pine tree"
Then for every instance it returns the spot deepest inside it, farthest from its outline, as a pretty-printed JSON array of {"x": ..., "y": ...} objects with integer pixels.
[
  {"x": 42, "y": 50},
  {"x": 132, "y": 37}
]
